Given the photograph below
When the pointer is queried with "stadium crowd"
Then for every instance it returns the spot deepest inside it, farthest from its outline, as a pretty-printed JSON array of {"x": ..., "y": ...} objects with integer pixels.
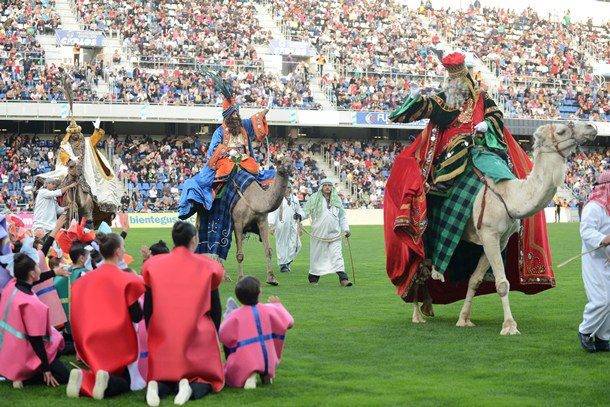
[
  {"x": 26, "y": 18},
  {"x": 364, "y": 166},
  {"x": 152, "y": 169},
  {"x": 379, "y": 50},
  {"x": 359, "y": 91},
  {"x": 521, "y": 43},
  {"x": 206, "y": 32},
  {"x": 545, "y": 62},
  {"x": 254, "y": 87},
  {"x": 373, "y": 35}
]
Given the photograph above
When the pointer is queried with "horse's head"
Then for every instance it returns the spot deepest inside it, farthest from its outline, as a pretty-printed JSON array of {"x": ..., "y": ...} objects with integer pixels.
[
  {"x": 72, "y": 164},
  {"x": 563, "y": 138}
]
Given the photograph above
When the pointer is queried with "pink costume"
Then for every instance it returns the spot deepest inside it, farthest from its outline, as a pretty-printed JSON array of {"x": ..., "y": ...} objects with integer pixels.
[
  {"x": 255, "y": 338},
  {"x": 48, "y": 295},
  {"x": 24, "y": 315}
]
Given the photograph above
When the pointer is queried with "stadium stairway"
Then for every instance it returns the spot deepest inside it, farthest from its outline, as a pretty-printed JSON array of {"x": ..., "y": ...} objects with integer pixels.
[
  {"x": 273, "y": 63},
  {"x": 68, "y": 17},
  {"x": 265, "y": 19},
  {"x": 331, "y": 174},
  {"x": 319, "y": 96}
]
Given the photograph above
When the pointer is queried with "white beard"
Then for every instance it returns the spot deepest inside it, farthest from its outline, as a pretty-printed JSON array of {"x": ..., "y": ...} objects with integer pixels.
[{"x": 456, "y": 93}]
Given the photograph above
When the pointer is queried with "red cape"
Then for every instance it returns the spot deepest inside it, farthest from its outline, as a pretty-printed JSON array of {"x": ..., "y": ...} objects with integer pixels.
[
  {"x": 103, "y": 333},
  {"x": 528, "y": 259},
  {"x": 182, "y": 340}
]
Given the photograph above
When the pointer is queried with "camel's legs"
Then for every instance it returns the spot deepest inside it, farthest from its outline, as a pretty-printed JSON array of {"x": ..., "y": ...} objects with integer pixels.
[
  {"x": 263, "y": 228},
  {"x": 473, "y": 284},
  {"x": 418, "y": 317},
  {"x": 426, "y": 305},
  {"x": 491, "y": 245},
  {"x": 239, "y": 252}
]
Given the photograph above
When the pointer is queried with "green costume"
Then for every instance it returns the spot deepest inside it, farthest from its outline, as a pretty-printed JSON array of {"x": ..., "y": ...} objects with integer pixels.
[{"x": 63, "y": 285}]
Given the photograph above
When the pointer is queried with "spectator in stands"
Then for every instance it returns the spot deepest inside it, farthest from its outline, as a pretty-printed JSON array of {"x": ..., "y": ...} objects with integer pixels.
[
  {"x": 321, "y": 61},
  {"x": 76, "y": 53}
]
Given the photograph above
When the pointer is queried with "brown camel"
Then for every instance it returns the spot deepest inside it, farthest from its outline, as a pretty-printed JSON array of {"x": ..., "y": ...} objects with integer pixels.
[{"x": 250, "y": 213}]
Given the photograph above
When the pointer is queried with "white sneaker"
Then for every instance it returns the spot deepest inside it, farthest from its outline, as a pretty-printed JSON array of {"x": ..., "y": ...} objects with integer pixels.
[
  {"x": 17, "y": 384},
  {"x": 101, "y": 384},
  {"x": 251, "y": 382},
  {"x": 152, "y": 394},
  {"x": 74, "y": 383},
  {"x": 184, "y": 392}
]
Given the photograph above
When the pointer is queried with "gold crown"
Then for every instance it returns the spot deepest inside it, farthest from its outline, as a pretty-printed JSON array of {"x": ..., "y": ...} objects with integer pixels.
[{"x": 73, "y": 128}]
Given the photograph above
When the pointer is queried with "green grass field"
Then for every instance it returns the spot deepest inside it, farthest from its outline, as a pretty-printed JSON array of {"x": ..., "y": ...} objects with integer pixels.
[{"x": 357, "y": 346}]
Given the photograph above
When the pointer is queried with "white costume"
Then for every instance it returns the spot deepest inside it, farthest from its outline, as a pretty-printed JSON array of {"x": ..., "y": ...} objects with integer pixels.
[
  {"x": 327, "y": 229},
  {"x": 287, "y": 239},
  {"x": 594, "y": 227},
  {"x": 46, "y": 209}
]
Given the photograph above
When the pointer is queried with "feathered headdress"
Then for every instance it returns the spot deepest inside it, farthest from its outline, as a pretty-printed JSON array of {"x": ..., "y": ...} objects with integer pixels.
[
  {"x": 228, "y": 104},
  {"x": 66, "y": 83}
]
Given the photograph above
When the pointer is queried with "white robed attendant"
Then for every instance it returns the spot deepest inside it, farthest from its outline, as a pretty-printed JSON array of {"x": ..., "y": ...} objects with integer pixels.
[
  {"x": 285, "y": 224},
  {"x": 328, "y": 226},
  {"x": 595, "y": 232}
]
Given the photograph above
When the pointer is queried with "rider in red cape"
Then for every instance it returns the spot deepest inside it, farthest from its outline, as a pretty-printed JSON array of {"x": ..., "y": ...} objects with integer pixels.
[{"x": 431, "y": 190}]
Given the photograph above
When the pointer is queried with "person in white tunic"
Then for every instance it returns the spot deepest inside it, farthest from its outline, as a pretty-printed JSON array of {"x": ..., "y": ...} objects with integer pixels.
[
  {"x": 594, "y": 331},
  {"x": 46, "y": 208},
  {"x": 328, "y": 226},
  {"x": 285, "y": 223}
]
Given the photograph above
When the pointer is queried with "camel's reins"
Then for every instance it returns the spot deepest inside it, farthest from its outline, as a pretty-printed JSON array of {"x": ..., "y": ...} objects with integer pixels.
[
  {"x": 578, "y": 256},
  {"x": 323, "y": 239},
  {"x": 482, "y": 178}
]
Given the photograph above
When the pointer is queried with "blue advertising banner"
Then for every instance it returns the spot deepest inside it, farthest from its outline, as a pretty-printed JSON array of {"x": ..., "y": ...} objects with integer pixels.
[
  {"x": 90, "y": 39},
  {"x": 381, "y": 118}
]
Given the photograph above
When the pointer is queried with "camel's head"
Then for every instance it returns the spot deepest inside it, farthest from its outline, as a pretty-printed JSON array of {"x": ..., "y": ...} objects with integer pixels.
[
  {"x": 563, "y": 138},
  {"x": 285, "y": 167}
]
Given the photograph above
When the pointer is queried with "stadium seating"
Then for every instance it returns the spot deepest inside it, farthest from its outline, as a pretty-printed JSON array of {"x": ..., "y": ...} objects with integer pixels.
[
  {"x": 378, "y": 49},
  {"x": 143, "y": 162}
]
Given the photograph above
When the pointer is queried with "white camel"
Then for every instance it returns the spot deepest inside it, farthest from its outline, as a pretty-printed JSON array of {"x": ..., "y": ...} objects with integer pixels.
[{"x": 553, "y": 143}]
